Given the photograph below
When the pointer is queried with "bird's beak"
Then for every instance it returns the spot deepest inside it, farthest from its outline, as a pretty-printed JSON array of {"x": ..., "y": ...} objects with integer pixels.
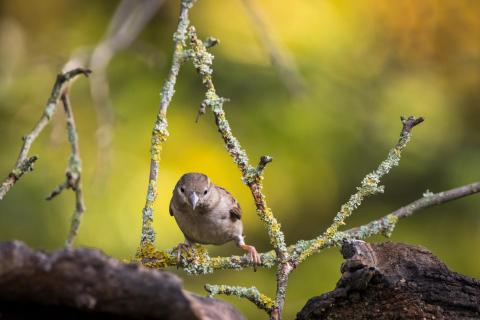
[{"x": 193, "y": 200}]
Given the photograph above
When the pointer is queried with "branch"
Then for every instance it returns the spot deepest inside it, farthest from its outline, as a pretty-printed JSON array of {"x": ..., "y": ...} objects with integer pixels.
[
  {"x": 279, "y": 57},
  {"x": 252, "y": 177},
  {"x": 252, "y": 294},
  {"x": 160, "y": 132},
  {"x": 168, "y": 258},
  {"x": 14, "y": 175},
  {"x": 197, "y": 261},
  {"x": 126, "y": 24},
  {"x": 368, "y": 187},
  {"x": 202, "y": 60},
  {"x": 24, "y": 163},
  {"x": 73, "y": 172},
  {"x": 386, "y": 224},
  {"x": 264, "y": 160}
]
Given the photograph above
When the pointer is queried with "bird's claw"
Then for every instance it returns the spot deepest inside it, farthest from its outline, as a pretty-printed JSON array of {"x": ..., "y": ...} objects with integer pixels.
[
  {"x": 180, "y": 247},
  {"x": 254, "y": 256}
]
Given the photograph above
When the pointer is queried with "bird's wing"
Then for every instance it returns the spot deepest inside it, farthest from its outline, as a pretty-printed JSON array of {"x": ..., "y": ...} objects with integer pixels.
[
  {"x": 235, "y": 210},
  {"x": 236, "y": 213}
]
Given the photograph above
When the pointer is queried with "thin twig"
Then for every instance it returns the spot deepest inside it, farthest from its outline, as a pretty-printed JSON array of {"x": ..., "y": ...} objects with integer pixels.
[
  {"x": 14, "y": 175},
  {"x": 386, "y": 224},
  {"x": 279, "y": 57},
  {"x": 55, "y": 192},
  {"x": 259, "y": 299},
  {"x": 74, "y": 170},
  {"x": 24, "y": 163},
  {"x": 128, "y": 21},
  {"x": 160, "y": 132},
  {"x": 264, "y": 160}
]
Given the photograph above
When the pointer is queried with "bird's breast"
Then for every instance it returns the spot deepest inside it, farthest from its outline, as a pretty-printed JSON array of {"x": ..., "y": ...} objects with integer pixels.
[{"x": 208, "y": 227}]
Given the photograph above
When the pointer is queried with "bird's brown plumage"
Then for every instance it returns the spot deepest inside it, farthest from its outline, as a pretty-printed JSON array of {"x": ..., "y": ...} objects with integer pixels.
[{"x": 207, "y": 213}]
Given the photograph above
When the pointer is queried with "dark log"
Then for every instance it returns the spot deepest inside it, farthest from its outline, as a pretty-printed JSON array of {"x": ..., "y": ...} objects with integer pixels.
[
  {"x": 86, "y": 284},
  {"x": 395, "y": 281}
]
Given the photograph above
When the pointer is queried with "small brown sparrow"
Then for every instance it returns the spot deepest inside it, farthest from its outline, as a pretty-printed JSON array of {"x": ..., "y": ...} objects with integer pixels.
[{"x": 207, "y": 214}]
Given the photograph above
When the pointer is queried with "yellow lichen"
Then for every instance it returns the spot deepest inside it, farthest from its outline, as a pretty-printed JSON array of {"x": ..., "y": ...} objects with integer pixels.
[
  {"x": 266, "y": 302},
  {"x": 150, "y": 257}
]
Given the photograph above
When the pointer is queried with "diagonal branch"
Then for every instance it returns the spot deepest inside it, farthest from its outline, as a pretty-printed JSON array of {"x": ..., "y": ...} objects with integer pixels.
[
  {"x": 23, "y": 167},
  {"x": 252, "y": 177},
  {"x": 202, "y": 61},
  {"x": 24, "y": 163},
  {"x": 368, "y": 187}
]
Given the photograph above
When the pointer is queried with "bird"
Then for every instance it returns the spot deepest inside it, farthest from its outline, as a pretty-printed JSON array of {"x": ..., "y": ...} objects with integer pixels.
[{"x": 207, "y": 214}]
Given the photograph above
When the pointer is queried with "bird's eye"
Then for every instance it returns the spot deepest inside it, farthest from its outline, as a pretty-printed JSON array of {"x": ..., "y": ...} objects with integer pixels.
[
  {"x": 182, "y": 189},
  {"x": 205, "y": 192}
]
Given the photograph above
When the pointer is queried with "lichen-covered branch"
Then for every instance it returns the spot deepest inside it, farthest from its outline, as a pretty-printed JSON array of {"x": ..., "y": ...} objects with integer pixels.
[
  {"x": 202, "y": 60},
  {"x": 73, "y": 172},
  {"x": 369, "y": 186},
  {"x": 198, "y": 262},
  {"x": 23, "y": 167},
  {"x": 252, "y": 177},
  {"x": 24, "y": 163},
  {"x": 252, "y": 294},
  {"x": 386, "y": 224},
  {"x": 193, "y": 265},
  {"x": 285, "y": 259},
  {"x": 160, "y": 132}
]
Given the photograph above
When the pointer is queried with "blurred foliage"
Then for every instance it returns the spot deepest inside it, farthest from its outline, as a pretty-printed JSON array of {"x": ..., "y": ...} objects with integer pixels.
[{"x": 366, "y": 63}]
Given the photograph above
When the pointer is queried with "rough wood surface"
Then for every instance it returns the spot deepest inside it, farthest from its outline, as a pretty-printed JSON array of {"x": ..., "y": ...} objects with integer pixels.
[
  {"x": 395, "y": 281},
  {"x": 84, "y": 283}
]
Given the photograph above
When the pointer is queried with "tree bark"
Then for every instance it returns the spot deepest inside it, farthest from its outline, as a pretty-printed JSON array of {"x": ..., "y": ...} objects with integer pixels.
[
  {"x": 395, "y": 281},
  {"x": 86, "y": 284}
]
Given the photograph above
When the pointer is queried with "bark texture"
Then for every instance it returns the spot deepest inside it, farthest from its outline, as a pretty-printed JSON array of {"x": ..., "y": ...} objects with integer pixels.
[
  {"x": 395, "y": 281},
  {"x": 84, "y": 283}
]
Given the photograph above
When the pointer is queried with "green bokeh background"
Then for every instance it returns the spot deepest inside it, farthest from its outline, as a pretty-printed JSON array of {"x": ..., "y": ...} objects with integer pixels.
[{"x": 365, "y": 63}]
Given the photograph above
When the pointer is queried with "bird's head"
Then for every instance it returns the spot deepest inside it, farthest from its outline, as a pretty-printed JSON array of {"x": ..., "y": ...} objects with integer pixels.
[{"x": 193, "y": 189}]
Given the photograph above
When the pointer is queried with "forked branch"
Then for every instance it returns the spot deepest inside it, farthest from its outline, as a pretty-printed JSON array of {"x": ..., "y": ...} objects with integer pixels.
[
  {"x": 369, "y": 186},
  {"x": 24, "y": 163},
  {"x": 189, "y": 47},
  {"x": 284, "y": 258},
  {"x": 73, "y": 172}
]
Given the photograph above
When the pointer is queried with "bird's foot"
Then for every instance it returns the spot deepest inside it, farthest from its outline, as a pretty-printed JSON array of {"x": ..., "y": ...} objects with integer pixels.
[
  {"x": 254, "y": 256},
  {"x": 181, "y": 247}
]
